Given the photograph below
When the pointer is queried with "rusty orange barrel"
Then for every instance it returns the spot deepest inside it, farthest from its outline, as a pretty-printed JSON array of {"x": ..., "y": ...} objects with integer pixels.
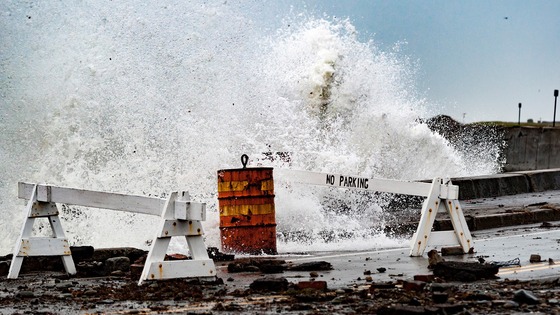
[{"x": 247, "y": 215}]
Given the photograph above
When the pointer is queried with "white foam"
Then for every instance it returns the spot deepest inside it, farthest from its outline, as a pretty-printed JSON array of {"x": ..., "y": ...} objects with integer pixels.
[{"x": 145, "y": 98}]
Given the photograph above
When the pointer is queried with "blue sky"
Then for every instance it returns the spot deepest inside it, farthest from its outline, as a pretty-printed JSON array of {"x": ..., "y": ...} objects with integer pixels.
[{"x": 478, "y": 58}]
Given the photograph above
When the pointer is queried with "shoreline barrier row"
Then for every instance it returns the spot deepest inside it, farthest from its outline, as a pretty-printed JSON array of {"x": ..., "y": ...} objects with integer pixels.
[
  {"x": 241, "y": 195},
  {"x": 179, "y": 217}
]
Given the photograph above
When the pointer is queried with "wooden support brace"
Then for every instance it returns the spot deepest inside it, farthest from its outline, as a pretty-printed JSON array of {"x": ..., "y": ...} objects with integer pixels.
[
  {"x": 180, "y": 217},
  {"x": 437, "y": 202}
]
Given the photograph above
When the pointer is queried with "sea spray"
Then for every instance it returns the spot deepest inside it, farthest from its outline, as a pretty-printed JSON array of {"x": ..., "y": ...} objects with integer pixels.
[{"x": 145, "y": 98}]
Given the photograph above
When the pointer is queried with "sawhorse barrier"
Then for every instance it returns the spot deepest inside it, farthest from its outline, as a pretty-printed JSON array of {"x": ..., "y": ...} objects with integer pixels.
[
  {"x": 441, "y": 196},
  {"x": 179, "y": 217}
]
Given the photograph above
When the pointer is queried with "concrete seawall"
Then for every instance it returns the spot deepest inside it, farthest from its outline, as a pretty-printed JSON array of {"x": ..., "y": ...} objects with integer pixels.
[
  {"x": 531, "y": 148},
  {"x": 505, "y": 184},
  {"x": 523, "y": 148}
]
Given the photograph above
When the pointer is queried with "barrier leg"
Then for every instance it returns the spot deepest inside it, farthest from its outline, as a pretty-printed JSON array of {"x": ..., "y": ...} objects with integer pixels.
[
  {"x": 460, "y": 226},
  {"x": 430, "y": 209},
  {"x": 58, "y": 231},
  {"x": 197, "y": 247},
  {"x": 17, "y": 260},
  {"x": 27, "y": 245},
  {"x": 156, "y": 255}
]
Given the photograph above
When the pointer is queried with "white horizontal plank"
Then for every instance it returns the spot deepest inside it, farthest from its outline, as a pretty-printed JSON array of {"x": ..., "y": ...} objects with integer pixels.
[
  {"x": 357, "y": 182},
  {"x": 443, "y": 238},
  {"x": 43, "y": 210},
  {"x": 372, "y": 184},
  {"x": 449, "y": 192},
  {"x": 181, "y": 228},
  {"x": 95, "y": 199},
  {"x": 181, "y": 269},
  {"x": 187, "y": 210},
  {"x": 44, "y": 246}
]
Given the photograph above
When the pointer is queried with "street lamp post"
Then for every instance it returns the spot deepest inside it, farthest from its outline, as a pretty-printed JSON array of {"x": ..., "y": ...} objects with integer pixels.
[
  {"x": 555, "y": 98},
  {"x": 519, "y": 116}
]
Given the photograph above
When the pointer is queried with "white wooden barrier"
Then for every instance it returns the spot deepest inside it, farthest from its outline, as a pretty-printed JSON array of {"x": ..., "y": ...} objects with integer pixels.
[
  {"x": 180, "y": 217},
  {"x": 441, "y": 196}
]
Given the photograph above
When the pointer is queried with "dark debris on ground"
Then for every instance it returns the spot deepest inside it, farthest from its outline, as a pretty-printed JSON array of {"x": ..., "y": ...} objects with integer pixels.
[{"x": 271, "y": 293}]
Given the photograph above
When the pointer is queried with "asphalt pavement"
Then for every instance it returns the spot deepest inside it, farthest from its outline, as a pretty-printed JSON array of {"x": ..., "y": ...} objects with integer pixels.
[{"x": 500, "y": 245}]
